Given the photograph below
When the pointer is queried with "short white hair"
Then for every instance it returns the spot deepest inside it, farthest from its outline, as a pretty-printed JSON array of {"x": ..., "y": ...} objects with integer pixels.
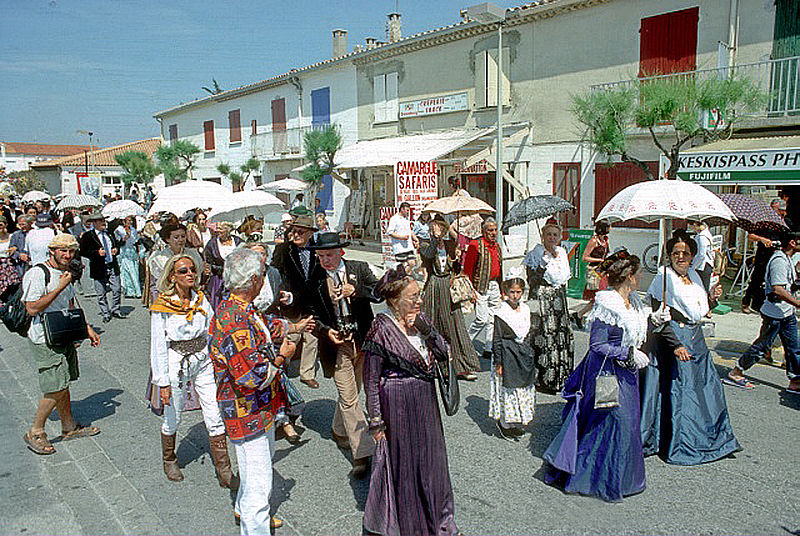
[{"x": 240, "y": 267}]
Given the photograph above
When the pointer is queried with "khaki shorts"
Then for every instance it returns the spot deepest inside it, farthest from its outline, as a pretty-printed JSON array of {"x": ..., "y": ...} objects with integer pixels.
[{"x": 57, "y": 366}]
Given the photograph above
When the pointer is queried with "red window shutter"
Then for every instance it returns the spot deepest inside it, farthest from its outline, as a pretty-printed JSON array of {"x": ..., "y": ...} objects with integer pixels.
[
  {"x": 668, "y": 42},
  {"x": 208, "y": 130},
  {"x": 173, "y": 132},
  {"x": 235, "y": 126},
  {"x": 278, "y": 115},
  {"x": 610, "y": 179},
  {"x": 567, "y": 185},
  {"x": 253, "y": 127}
]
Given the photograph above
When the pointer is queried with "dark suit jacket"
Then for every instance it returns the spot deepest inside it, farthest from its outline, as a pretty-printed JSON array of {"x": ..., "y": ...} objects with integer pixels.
[
  {"x": 90, "y": 249},
  {"x": 286, "y": 258},
  {"x": 361, "y": 277}
]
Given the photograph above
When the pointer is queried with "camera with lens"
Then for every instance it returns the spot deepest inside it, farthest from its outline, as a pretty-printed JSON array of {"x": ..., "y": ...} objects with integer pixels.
[
  {"x": 774, "y": 298},
  {"x": 75, "y": 268}
]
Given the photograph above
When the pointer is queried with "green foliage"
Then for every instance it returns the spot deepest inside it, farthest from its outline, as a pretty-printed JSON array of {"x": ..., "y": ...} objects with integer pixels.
[
  {"x": 176, "y": 160},
  {"x": 214, "y": 89},
  {"x": 606, "y": 114},
  {"x": 236, "y": 178},
  {"x": 224, "y": 169},
  {"x": 26, "y": 181},
  {"x": 321, "y": 146},
  {"x": 137, "y": 166}
]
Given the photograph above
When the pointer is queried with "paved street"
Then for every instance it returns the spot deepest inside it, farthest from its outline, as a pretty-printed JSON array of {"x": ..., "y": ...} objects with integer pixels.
[{"x": 113, "y": 483}]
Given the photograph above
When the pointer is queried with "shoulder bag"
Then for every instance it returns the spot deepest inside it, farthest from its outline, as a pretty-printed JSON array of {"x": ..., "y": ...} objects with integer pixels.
[
  {"x": 63, "y": 327},
  {"x": 606, "y": 388}
]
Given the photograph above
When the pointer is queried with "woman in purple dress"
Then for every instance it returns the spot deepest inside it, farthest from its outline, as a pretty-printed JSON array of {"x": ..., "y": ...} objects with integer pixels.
[
  {"x": 410, "y": 490},
  {"x": 599, "y": 448}
]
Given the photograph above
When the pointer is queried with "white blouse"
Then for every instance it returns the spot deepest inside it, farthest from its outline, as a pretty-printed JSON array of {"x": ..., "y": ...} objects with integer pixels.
[
  {"x": 557, "y": 271},
  {"x": 165, "y": 327},
  {"x": 690, "y": 300}
]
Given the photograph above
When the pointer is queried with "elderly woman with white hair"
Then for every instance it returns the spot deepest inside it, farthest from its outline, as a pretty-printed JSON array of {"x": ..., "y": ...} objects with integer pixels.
[
  {"x": 216, "y": 252},
  {"x": 179, "y": 355},
  {"x": 249, "y": 391}
]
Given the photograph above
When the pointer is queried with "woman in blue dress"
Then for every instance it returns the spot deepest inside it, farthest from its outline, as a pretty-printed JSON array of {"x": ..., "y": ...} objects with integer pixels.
[
  {"x": 684, "y": 415},
  {"x": 129, "y": 258},
  {"x": 598, "y": 451}
]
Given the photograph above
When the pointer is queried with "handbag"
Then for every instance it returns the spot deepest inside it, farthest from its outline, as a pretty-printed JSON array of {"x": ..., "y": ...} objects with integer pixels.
[
  {"x": 592, "y": 279},
  {"x": 64, "y": 327},
  {"x": 448, "y": 385},
  {"x": 606, "y": 388},
  {"x": 461, "y": 289}
]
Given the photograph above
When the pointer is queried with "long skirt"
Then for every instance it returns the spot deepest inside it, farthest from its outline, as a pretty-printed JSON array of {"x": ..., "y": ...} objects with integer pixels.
[
  {"x": 598, "y": 452},
  {"x": 511, "y": 406},
  {"x": 129, "y": 272},
  {"x": 684, "y": 414},
  {"x": 410, "y": 490},
  {"x": 448, "y": 319},
  {"x": 552, "y": 338}
]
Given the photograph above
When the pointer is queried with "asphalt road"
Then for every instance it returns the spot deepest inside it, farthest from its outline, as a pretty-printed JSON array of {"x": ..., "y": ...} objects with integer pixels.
[{"x": 113, "y": 483}]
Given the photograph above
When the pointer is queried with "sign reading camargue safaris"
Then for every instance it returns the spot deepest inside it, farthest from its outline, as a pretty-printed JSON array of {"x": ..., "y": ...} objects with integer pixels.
[{"x": 763, "y": 165}]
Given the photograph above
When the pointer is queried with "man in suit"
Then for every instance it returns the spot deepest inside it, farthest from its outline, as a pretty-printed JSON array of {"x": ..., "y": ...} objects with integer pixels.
[
  {"x": 299, "y": 269},
  {"x": 343, "y": 300},
  {"x": 101, "y": 249}
]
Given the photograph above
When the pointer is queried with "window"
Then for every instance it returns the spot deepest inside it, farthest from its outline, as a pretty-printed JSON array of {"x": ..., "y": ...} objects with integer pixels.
[
  {"x": 208, "y": 131},
  {"x": 173, "y": 132},
  {"x": 668, "y": 43},
  {"x": 567, "y": 185},
  {"x": 235, "y": 126},
  {"x": 280, "y": 140},
  {"x": 321, "y": 107},
  {"x": 253, "y": 127},
  {"x": 385, "y": 103},
  {"x": 610, "y": 179},
  {"x": 486, "y": 78}
]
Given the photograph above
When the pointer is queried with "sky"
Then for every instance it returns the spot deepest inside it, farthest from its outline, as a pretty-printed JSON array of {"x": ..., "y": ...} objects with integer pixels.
[{"x": 107, "y": 66}]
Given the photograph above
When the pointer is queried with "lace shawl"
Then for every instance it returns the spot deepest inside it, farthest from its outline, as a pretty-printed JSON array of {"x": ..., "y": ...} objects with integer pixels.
[{"x": 609, "y": 307}]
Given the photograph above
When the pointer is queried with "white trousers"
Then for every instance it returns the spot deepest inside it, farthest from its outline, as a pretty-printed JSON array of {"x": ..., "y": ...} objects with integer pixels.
[
  {"x": 485, "y": 307},
  {"x": 200, "y": 372},
  {"x": 254, "y": 458}
]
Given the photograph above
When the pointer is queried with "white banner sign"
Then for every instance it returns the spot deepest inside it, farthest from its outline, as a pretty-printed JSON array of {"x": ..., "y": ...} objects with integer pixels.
[{"x": 456, "y": 102}]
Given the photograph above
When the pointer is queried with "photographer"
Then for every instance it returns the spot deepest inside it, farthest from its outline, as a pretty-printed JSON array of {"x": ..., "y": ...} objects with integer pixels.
[
  {"x": 778, "y": 317},
  {"x": 44, "y": 292}
]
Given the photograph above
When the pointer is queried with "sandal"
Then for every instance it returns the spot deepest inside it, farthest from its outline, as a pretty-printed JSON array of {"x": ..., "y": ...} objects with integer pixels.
[
  {"x": 741, "y": 383},
  {"x": 79, "y": 431},
  {"x": 38, "y": 443}
]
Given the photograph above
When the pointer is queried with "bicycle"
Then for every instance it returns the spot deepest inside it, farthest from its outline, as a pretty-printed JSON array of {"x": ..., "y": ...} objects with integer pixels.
[{"x": 650, "y": 258}]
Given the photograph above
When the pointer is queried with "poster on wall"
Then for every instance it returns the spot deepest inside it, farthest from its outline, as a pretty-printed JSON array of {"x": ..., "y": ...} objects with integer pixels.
[
  {"x": 415, "y": 183},
  {"x": 88, "y": 183}
]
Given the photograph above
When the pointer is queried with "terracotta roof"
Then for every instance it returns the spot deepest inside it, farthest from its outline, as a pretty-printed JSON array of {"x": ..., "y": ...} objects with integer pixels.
[
  {"x": 43, "y": 149},
  {"x": 104, "y": 157},
  {"x": 517, "y": 12}
]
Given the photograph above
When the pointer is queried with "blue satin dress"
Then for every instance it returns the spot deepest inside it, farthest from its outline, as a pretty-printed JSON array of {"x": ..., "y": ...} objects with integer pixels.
[{"x": 599, "y": 451}]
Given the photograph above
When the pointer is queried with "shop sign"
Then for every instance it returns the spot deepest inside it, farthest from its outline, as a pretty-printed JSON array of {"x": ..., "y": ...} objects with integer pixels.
[
  {"x": 763, "y": 165},
  {"x": 478, "y": 168},
  {"x": 456, "y": 102}
]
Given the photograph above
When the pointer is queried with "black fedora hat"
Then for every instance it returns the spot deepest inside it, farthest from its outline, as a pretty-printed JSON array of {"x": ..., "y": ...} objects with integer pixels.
[{"x": 330, "y": 240}]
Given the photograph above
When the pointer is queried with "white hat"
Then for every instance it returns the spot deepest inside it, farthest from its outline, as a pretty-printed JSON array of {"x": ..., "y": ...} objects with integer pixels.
[{"x": 286, "y": 217}]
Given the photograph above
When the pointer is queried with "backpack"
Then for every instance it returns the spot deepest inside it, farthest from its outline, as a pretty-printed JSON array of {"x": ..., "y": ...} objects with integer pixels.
[{"x": 13, "y": 312}]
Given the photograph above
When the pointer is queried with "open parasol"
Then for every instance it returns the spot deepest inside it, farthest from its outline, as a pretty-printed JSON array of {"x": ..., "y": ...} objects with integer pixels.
[
  {"x": 122, "y": 209},
  {"x": 534, "y": 208},
  {"x": 77, "y": 201},
  {"x": 34, "y": 195},
  {"x": 752, "y": 214},
  {"x": 188, "y": 195},
  {"x": 255, "y": 203},
  {"x": 459, "y": 203}
]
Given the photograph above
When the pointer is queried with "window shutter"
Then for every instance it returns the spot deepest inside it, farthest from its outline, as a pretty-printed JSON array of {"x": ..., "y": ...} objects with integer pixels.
[
  {"x": 379, "y": 98},
  {"x": 253, "y": 127},
  {"x": 668, "y": 43},
  {"x": 480, "y": 79},
  {"x": 235, "y": 126},
  {"x": 392, "y": 104},
  {"x": 173, "y": 132},
  {"x": 506, "y": 76},
  {"x": 208, "y": 131}
]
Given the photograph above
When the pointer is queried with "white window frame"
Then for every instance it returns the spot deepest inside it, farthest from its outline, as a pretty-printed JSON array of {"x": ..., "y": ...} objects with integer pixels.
[{"x": 386, "y": 105}]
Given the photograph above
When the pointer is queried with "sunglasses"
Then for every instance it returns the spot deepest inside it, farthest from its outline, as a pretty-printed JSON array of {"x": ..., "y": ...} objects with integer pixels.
[{"x": 184, "y": 271}]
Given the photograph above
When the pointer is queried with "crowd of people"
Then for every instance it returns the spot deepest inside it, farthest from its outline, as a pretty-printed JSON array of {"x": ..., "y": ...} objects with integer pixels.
[{"x": 229, "y": 312}]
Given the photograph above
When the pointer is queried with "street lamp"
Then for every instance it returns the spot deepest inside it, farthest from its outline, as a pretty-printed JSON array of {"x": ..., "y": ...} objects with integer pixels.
[
  {"x": 488, "y": 13},
  {"x": 91, "y": 156}
]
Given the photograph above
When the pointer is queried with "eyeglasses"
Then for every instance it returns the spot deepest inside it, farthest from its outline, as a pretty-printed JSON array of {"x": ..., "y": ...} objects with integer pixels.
[
  {"x": 184, "y": 271},
  {"x": 414, "y": 298}
]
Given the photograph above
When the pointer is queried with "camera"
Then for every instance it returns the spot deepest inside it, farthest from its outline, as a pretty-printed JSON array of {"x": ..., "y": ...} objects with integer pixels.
[
  {"x": 75, "y": 268},
  {"x": 774, "y": 298}
]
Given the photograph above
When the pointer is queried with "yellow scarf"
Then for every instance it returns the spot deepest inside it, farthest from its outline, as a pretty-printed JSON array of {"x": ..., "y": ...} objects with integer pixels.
[{"x": 173, "y": 305}]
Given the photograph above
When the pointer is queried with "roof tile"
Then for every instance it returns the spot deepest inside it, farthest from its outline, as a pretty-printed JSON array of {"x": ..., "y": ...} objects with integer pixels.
[{"x": 104, "y": 157}]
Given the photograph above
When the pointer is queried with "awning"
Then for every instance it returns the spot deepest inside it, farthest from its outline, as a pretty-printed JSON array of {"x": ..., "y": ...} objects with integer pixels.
[{"x": 743, "y": 161}]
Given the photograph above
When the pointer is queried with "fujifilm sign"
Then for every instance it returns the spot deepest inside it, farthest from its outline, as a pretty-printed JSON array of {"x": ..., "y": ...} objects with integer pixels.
[{"x": 757, "y": 166}]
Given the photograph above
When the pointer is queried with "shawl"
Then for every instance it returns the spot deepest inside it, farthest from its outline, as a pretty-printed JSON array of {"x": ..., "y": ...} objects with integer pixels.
[
  {"x": 689, "y": 300},
  {"x": 609, "y": 308},
  {"x": 171, "y": 304},
  {"x": 480, "y": 278},
  {"x": 557, "y": 270},
  {"x": 386, "y": 341},
  {"x": 511, "y": 347},
  {"x": 519, "y": 321}
]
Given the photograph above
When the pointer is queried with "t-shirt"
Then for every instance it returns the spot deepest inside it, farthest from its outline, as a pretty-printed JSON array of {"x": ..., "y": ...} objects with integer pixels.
[
  {"x": 705, "y": 250},
  {"x": 37, "y": 242},
  {"x": 33, "y": 289},
  {"x": 402, "y": 226},
  {"x": 779, "y": 272}
]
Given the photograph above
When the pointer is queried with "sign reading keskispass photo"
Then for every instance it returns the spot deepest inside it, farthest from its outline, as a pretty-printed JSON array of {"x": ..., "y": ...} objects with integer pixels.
[{"x": 764, "y": 165}]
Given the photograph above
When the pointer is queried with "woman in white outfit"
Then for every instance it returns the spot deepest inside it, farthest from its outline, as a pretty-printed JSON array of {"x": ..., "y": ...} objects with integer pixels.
[{"x": 179, "y": 322}]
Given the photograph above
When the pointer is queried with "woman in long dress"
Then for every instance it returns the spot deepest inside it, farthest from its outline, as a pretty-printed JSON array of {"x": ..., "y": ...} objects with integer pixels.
[
  {"x": 512, "y": 396},
  {"x": 684, "y": 414},
  {"x": 129, "y": 257},
  {"x": 548, "y": 271},
  {"x": 598, "y": 451},
  {"x": 440, "y": 260},
  {"x": 217, "y": 250},
  {"x": 410, "y": 490}
]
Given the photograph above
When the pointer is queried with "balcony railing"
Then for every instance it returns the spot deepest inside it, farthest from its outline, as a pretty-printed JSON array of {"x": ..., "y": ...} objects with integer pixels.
[
  {"x": 779, "y": 79},
  {"x": 278, "y": 144}
]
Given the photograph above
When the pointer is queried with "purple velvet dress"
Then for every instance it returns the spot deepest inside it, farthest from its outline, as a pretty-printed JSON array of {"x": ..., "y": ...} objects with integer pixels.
[
  {"x": 410, "y": 490},
  {"x": 599, "y": 451}
]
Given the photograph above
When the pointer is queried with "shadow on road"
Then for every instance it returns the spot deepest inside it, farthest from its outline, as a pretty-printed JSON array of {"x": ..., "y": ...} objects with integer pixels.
[
  {"x": 193, "y": 446},
  {"x": 478, "y": 410},
  {"x": 545, "y": 426},
  {"x": 94, "y": 407}
]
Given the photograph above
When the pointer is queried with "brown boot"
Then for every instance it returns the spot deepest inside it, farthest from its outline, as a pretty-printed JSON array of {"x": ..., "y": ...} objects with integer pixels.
[
  {"x": 171, "y": 468},
  {"x": 218, "y": 445}
]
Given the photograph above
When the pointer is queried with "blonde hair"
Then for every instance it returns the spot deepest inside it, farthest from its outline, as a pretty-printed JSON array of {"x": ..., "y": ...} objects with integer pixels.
[
  {"x": 551, "y": 226},
  {"x": 165, "y": 285}
]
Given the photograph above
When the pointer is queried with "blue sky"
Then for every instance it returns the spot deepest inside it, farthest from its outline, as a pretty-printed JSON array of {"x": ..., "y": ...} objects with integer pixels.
[{"x": 108, "y": 65}]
